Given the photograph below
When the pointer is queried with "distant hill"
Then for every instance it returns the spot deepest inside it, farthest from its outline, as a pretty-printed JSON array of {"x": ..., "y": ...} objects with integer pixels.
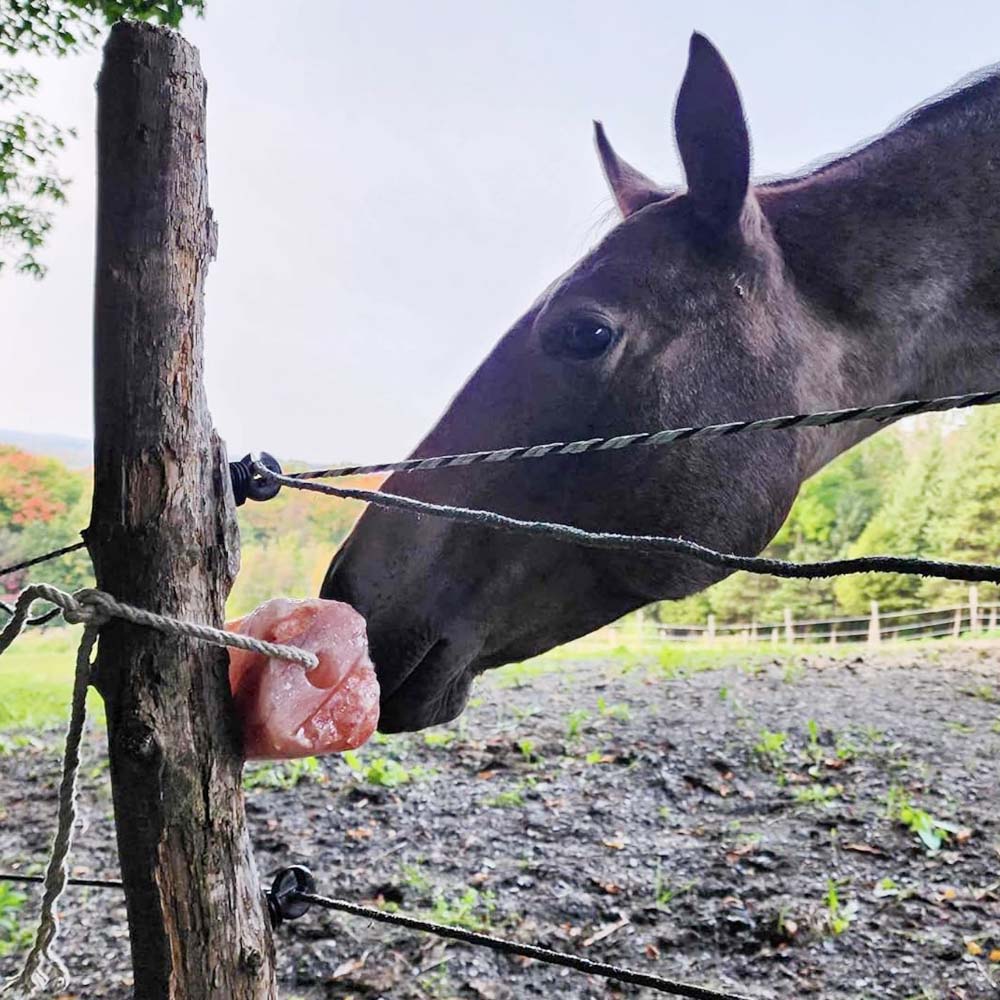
[{"x": 77, "y": 453}]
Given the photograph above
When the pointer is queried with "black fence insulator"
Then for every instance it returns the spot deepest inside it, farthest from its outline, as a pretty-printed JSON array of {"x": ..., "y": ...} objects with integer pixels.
[
  {"x": 283, "y": 898},
  {"x": 247, "y": 485}
]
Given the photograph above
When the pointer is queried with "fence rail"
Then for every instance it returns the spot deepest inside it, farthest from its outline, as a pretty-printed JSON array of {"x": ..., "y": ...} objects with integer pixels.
[{"x": 972, "y": 619}]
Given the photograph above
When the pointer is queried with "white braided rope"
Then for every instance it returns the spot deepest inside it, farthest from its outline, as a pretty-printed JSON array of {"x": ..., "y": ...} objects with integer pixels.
[
  {"x": 34, "y": 975},
  {"x": 92, "y": 609},
  {"x": 96, "y": 607}
]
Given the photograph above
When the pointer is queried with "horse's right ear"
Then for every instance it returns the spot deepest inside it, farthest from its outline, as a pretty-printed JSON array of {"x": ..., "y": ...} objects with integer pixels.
[
  {"x": 712, "y": 138},
  {"x": 632, "y": 189}
]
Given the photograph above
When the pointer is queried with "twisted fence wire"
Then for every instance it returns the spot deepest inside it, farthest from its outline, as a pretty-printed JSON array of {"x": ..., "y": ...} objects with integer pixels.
[{"x": 882, "y": 413}]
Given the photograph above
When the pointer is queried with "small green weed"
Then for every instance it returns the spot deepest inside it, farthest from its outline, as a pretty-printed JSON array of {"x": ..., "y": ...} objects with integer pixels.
[
  {"x": 663, "y": 893},
  {"x": 813, "y": 748},
  {"x": 19, "y": 741},
  {"x": 575, "y": 721},
  {"x": 962, "y": 728},
  {"x": 511, "y": 798},
  {"x": 985, "y": 692},
  {"x": 439, "y": 738},
  {"x": 839, "y": 915},
  {"x": 285, "y": 775},
  {"x": 414, "y": 877},
  {"x": 526, "y": 747},
  {"x": 472, "y": 910},
  {"x": 619, "y": 710},
  {"x": 771, "y": 748},
  {"x": 932, "y": 832},
  {"x": 13, "y": 936},
  {"x": 844, "y": 749},
  {"x": 817, "y": 794},
  {"x": 382, "y": 771},
  {"x": 437, "y": 982},
  {"x": 793, "y": 672}
]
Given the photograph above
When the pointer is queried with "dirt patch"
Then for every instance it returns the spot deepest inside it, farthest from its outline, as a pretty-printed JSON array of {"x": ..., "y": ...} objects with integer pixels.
[{"x": 783, "y": 827}]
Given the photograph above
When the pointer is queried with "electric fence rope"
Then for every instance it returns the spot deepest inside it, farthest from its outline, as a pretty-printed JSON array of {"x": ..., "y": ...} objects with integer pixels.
[
  {"x": 92, "y": 609},
  {"x": 651, "y": 544}
]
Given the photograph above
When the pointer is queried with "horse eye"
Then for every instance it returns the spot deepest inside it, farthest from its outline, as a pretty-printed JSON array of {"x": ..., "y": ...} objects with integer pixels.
[{"x": 583, "y": 339}]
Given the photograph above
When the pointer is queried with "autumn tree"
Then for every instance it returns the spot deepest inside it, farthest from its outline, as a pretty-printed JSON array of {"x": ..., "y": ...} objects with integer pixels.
[{"x": 43, "y": 505}]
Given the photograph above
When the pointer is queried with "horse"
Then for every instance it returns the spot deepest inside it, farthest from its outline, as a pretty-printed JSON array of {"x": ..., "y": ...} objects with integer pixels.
[{"x": 869, "y": 278}]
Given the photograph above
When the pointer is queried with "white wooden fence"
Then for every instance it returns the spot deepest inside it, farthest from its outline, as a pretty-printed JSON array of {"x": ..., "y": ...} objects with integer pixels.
[{"x": 971, "y": 620}]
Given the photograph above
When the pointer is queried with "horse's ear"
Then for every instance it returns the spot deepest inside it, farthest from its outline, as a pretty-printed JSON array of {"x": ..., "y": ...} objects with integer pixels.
[
  {"x": 632, "y": 189},
  {"x": 712, "y": 137}
]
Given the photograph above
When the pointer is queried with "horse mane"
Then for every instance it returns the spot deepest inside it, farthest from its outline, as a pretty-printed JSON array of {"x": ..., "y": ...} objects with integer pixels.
[{"x": 974, "y": 98}]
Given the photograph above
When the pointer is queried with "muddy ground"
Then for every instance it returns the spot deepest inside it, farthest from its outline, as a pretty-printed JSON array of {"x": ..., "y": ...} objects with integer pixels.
[{"x": 754, "y": 826}]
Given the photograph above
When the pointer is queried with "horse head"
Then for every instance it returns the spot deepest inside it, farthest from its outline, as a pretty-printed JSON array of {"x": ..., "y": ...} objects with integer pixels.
[{"x": 688, "y": 311}]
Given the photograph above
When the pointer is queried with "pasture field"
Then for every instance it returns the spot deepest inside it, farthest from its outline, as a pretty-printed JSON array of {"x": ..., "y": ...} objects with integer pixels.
[{"x": 782, "y": 823}]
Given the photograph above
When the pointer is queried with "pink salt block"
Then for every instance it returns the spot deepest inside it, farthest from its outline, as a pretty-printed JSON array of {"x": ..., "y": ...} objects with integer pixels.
[{"x": 290, "y": 711}]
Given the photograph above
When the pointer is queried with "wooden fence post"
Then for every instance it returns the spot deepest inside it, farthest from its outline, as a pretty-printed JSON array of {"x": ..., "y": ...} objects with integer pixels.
[
  {"x": 710, "y": 632},
  {"x": 163, "y": 537},
  {"x": 956, "y": 630},
  {"x": 974, "y": 610},
  {"x": 789, "y": 626},
  {"x": 993, "y": 618},
  {"x": 833, "y": 633},
  {"x": 874, "y": 626}
]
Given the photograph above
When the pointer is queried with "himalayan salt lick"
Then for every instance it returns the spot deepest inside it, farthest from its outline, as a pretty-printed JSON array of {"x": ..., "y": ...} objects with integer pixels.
[{"x": 290, "y": 711}]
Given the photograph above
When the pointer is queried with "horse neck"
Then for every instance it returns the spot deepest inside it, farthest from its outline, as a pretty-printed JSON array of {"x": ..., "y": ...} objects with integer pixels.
[{"x": 894, "y": 253}]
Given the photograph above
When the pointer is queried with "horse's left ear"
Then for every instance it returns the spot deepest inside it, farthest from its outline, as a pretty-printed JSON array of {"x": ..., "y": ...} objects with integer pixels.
[
  {"x": 712, "y": 137},
  {"x": 632, "y": 190}
]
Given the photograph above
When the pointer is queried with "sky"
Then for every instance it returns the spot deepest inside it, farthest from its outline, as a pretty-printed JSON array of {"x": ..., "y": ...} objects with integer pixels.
[{"x": 395, "y": 182}]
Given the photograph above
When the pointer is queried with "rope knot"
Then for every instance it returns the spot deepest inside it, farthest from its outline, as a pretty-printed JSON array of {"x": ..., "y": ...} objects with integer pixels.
[{"x": 89, "y": 607}]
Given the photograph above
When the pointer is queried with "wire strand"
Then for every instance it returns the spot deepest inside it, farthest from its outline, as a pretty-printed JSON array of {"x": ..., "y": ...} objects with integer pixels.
[
  {"x": 882, "y": 413},
  {"x": 93, "y": 883},
  {"x": 508, "y": 947},
  {"x": 654, "y": 544},
  {"x": 503, "y": 945},
  {"x": 35, "y": 560}
]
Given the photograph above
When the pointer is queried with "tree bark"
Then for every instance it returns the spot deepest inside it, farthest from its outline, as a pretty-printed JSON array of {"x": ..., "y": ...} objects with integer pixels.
[{"x": 163, "y": 536}]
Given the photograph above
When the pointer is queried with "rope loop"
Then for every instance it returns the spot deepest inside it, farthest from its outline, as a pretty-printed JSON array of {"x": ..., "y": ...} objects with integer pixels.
[{"x": 91, "y": 607}]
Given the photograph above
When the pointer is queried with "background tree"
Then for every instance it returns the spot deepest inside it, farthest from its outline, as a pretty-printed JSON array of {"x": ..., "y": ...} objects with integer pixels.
[
  {"x": 965, "y": 499},
  {"x": 30, "y": 184},
  {"x": 900, "y": 526}
]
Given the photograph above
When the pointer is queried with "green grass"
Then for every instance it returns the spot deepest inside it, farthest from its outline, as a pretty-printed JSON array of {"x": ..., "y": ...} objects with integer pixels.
[{"x": 36, "y": 681}]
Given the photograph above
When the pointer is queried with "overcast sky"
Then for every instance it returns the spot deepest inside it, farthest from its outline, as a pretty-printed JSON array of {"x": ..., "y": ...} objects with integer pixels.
[{"x": 396, "y": 181}]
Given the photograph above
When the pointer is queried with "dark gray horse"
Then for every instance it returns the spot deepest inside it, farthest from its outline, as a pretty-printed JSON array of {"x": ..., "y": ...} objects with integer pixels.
[{"x": 872, "y": 278}]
